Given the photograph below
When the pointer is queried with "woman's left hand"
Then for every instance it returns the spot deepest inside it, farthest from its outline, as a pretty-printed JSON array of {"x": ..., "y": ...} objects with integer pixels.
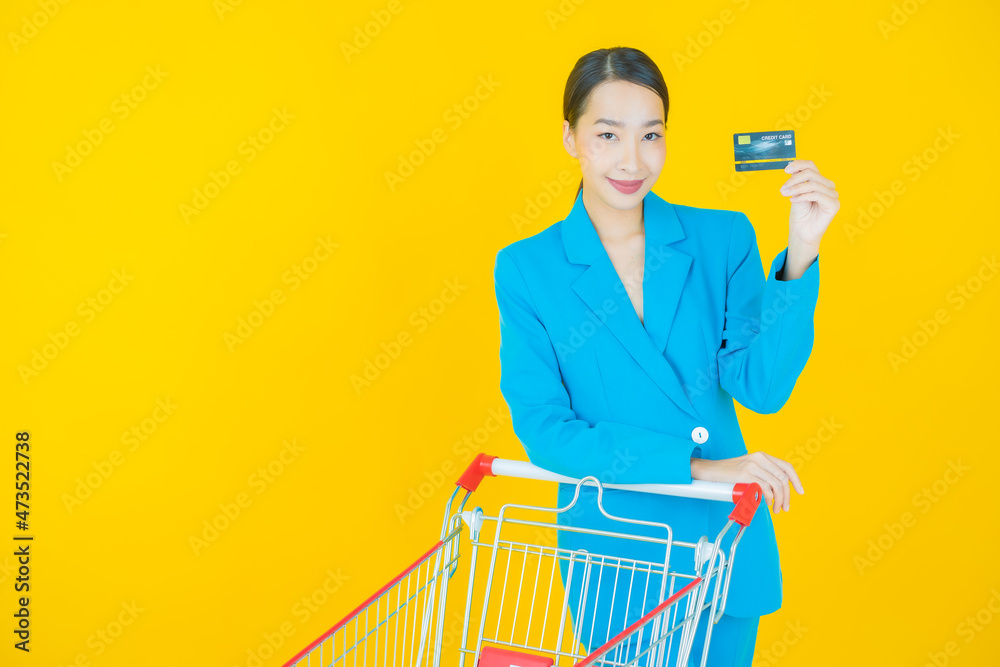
[{"x": 814, "y": 203}]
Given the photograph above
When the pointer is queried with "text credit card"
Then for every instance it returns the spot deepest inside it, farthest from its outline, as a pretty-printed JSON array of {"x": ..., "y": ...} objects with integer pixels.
[{"x": 764, "y": 150}]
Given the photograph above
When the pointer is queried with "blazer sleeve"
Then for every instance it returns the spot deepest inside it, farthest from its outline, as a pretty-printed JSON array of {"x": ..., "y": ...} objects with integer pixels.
[
  {"x": 768, "y": 332},
  {"x": 554, "y": 438}
]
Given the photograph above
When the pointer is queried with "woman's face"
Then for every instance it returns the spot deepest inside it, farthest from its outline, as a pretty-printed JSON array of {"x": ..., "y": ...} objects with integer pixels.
[{"x": 619, "y": 139}]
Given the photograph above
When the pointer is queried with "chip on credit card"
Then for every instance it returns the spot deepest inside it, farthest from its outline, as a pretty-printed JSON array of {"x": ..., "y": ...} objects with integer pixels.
[{"x": 764, "y": 150}]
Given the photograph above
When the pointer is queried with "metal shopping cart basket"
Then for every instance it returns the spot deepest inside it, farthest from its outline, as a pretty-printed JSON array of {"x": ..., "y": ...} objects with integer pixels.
[{"x": 518, "y": 612}]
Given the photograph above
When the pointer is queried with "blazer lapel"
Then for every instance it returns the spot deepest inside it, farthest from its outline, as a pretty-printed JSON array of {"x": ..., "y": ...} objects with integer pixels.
[{"x": 665, "y": 271}]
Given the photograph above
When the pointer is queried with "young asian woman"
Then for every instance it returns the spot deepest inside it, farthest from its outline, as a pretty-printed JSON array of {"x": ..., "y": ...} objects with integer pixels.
[{"x": 628, "y": 329}]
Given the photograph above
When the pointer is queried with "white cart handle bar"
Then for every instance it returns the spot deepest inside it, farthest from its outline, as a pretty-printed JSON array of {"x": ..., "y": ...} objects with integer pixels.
[{"x": 746, "y": 495}]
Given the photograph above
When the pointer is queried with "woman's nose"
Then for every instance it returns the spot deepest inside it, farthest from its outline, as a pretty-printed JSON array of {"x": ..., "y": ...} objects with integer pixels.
[{"x": 629, "y": 157}]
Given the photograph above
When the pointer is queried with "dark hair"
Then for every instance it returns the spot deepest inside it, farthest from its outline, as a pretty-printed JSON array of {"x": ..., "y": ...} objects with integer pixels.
[{"x": 619, "y": 63}]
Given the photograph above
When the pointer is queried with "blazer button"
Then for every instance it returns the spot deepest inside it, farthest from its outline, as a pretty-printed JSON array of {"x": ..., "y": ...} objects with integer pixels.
[{"x": 700, "y": 434}]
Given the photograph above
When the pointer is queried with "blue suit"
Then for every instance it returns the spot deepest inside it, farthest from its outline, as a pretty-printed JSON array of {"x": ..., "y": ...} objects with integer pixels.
[{"x": 594, "y": 391}]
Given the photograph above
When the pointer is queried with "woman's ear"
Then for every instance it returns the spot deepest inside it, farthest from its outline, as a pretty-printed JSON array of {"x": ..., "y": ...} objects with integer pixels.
[{"x": 569, "y": 140}]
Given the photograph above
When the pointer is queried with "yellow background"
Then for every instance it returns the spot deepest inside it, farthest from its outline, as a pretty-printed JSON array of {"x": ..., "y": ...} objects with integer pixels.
[{"x": 365, "y": 453}]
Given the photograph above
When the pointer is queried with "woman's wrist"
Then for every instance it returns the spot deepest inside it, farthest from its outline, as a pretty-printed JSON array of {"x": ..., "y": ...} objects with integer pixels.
[
  {"x": 697, "y": 468},
  {"x": 798, "y": 258}
]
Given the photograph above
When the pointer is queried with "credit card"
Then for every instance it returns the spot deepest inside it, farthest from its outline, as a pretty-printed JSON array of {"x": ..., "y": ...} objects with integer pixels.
[{"x": 764, "y": 150}]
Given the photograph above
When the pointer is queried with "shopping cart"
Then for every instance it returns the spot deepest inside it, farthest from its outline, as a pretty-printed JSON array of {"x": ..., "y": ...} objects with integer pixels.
[{"x": 518, "y": 613}]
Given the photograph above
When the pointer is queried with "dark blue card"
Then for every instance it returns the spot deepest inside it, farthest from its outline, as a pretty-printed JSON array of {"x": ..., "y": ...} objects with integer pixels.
[{"x": 764, "y": 150}]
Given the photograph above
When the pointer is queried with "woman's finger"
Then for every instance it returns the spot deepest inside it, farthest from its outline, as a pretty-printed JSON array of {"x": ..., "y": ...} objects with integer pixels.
[
  {"x": 799, "y": 164},
  {"x": 765, "y": 486},
  {"x": 771, "y": 484},
  {"x": 774, "y": 477},
  {"x": 790, "y": 472},
  {"x": 807, "y": 176},
  {"x": 810, "y": 186},
  {"x": 790, "y": 475},
  {"x": 780, "y": 473},
  {"x": 820, "y": 198}
]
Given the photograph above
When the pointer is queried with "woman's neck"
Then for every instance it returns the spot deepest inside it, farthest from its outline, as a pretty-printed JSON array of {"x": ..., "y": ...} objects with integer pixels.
[{"x": 614, "y": 225}]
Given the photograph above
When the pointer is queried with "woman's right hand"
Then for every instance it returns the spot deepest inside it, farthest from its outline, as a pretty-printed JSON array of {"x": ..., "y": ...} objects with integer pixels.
[{"x": 773, "y": 475}]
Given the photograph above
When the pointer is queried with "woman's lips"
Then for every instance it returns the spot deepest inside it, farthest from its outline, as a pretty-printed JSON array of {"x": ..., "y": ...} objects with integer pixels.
[{"x": 628, "y": 187}]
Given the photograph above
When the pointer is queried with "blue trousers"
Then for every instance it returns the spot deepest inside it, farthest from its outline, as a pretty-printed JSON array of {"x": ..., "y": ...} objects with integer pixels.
[
  {"x": 732, "y": 642},
  {"x": 616, "y": 598}
]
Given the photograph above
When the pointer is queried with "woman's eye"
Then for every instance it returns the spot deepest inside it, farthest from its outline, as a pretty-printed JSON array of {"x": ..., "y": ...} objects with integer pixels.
[{"x": 611, "y": 135}]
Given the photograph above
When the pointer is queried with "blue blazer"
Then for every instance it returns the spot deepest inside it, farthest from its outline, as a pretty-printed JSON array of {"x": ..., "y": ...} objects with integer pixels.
[{"x": 594, "y": 391}]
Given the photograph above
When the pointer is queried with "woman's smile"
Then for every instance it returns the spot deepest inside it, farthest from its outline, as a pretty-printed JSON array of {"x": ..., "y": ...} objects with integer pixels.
[{"x": 628, "y": 187}]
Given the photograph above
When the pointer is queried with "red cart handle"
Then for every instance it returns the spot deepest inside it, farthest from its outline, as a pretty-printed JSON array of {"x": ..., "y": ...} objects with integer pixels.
[
  {"x": 747, "y": 496},
  {"x": 481, "y": 466}
]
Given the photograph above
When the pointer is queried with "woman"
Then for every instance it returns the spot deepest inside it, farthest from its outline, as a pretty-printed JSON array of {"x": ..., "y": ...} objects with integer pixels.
[{"x": 628, "y": 328}]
